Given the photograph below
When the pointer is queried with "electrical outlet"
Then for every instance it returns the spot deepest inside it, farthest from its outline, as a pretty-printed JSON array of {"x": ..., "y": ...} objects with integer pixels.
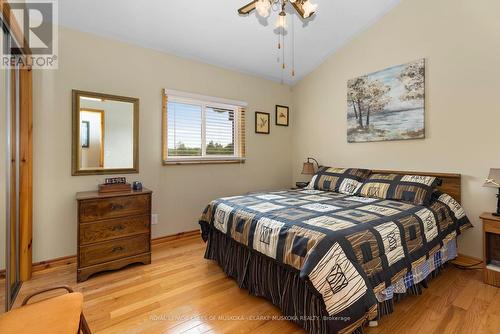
[{"x": 154, "y": 219}]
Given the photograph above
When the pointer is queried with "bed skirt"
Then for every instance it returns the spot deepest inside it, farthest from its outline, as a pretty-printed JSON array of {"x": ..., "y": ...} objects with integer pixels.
[
  {"x": 280, "y": 284},
  {"x": 264, "y": 277}
]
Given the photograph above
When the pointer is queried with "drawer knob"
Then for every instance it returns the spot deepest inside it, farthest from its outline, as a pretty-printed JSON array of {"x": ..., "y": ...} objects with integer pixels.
[
  {"x": 116, "y": 206},
  {"x": 118, "y": 227},
  {"x": 117, "y": 249}
]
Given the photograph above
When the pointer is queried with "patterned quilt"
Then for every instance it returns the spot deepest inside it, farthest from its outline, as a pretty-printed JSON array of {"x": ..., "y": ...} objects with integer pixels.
[{"x": 350, "y": 248}]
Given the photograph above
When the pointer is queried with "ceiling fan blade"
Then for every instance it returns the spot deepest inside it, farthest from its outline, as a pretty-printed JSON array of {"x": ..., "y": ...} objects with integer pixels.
[
  {"x": 247, "y": 8},
  {"x": 300, "y": 10}
]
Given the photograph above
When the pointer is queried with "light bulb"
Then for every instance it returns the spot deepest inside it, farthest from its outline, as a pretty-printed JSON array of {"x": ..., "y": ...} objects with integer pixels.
[
  {"x": 281, "y": 22},
  {"x": 309, "y": 8},
  {"x": 263, "y": 7}
]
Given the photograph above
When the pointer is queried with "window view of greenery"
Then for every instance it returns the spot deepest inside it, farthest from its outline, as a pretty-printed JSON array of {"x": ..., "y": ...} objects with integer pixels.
[
  {"x": 185, "y": 131},
  {"x": 219, "y": 131}
]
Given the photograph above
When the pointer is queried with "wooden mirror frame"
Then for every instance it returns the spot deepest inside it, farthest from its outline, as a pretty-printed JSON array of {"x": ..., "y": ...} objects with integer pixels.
[{"x": 75, "y": 156}]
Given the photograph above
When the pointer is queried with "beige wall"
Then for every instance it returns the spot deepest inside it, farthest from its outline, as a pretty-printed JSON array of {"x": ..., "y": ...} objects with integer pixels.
[
  {"x": 460, "y": 40},
  {"x": 96, "y": 64}
]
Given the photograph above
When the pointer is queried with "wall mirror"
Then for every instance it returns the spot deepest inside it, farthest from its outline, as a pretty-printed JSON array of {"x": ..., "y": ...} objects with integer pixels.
[{"x": 105, "y": 134}]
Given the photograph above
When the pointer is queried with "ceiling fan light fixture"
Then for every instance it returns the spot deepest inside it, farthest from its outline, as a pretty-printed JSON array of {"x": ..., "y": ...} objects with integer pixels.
[
  {"x": 304, "y": 8},
  {"x": 263, "y": 7},
  {"x": 281, "y": 22},
  {"x": 309, "y": 8}
]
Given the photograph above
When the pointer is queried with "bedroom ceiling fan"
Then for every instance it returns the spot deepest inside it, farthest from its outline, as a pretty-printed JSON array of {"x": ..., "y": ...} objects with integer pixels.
[{"x": 304, "y": 8}]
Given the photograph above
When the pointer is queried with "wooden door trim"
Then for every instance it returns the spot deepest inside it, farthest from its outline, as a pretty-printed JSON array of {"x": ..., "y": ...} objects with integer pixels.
[
  {"x": 26, "y": 173},
  {"x": 13, "y": 199},
  {"x": 99, "y": 111},
  {"x": 13, "y": 26}
]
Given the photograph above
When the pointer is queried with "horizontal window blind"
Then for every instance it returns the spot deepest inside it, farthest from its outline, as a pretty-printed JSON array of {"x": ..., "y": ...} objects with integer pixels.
[
  {"x": 219, "y": 131},
  {"x": 198, "y": 130},
  {"x": 184, "y": 130}
]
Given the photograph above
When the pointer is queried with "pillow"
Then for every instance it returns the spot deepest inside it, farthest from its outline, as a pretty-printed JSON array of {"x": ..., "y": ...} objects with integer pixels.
[
  {"x": 415, "y": 189},
  {"x": 342, "y": 180}
]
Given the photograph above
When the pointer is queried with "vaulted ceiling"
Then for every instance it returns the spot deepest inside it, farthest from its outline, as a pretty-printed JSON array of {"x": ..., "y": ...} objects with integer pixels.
[{"x": 211, "y": 31}]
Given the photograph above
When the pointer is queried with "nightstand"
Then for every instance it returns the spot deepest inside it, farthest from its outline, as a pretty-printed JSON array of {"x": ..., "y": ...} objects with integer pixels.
[
  {"x": 300, "y": 185},
  {"x": 491, "y": 249}
]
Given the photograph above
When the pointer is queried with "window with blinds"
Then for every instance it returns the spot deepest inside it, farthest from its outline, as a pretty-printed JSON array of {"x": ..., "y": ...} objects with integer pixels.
[{"x": 200, "y": 129}]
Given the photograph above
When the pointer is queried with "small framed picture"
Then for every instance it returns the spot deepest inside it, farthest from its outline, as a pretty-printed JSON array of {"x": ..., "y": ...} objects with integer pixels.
[
  {"x": 85, "y": 133},
  {"x": 262, "y": 120},
  {"x": 282, "y": 115}
]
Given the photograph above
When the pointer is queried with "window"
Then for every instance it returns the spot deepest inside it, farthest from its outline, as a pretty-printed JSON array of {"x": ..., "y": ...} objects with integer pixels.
[{"x": 201, "y": 129}]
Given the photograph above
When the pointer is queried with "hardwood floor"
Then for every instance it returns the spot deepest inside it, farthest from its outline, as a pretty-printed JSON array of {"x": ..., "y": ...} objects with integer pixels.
[{"x": 180, "y": 292}]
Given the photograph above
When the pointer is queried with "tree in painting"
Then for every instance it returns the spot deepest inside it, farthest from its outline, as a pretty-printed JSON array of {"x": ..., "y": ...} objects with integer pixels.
[
  {"x": 412, "y": 77},
  {"x": 367, "y": 97},
  {"x": 387, "y": 105},
  {"x": 355, "y": 96}
]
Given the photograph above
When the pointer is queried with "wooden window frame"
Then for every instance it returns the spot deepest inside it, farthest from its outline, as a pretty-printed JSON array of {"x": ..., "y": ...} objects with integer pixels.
[{"x": 239, "y": 109}]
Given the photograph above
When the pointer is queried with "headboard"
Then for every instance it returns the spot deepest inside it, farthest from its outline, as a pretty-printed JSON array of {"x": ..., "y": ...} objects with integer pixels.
[{"x": 451, "y": 183}]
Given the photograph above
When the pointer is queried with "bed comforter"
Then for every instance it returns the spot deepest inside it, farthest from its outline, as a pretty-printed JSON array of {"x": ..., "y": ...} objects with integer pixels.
[{"x": 349, "y": 248}]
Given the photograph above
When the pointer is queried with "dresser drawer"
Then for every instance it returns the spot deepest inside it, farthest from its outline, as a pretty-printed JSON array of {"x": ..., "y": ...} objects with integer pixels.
[
  {"x": 91, "y": 210},
  {"x": 491, "y": 226},
  {"x": 113, "y": 228},
  {"x": 112, "y": 250}
]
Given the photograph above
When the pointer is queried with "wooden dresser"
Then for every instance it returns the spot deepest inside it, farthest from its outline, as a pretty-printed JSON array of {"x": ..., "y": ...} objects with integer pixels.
[{"x": 114, "y": 230}]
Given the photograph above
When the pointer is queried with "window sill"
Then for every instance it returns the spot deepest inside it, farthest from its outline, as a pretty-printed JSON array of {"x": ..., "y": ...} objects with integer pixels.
[{"x": 203, "y": 161}]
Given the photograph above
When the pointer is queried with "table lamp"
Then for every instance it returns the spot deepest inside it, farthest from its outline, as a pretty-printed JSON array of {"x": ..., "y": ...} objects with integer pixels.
[
  {"x": 493, "y": 181},
  {"x": 307, "y": 169}
]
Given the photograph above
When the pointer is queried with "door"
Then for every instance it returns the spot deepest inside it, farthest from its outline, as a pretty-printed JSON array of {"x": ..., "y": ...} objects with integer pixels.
[
  {"x": 10, "y": 187},
  {"x": 3, "y": 182}
]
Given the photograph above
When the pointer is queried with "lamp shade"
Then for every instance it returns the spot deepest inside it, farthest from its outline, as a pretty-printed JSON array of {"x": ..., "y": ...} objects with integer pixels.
[
  {"x": 308, "y": 168},
  {"x": 493, "y": 179}
]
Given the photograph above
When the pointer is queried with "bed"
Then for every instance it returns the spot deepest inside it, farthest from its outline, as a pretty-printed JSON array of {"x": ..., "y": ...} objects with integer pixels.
[{"x": 333, "y": 261}]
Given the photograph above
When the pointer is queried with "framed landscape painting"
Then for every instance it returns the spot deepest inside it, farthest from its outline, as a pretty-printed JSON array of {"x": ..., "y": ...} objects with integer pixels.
[{"x": 387, "y": 105}]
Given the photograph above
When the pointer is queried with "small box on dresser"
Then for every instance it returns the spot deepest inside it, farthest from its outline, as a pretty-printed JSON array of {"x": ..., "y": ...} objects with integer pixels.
[
  {"x": 491, "y": 248},
  {"x": 114, "y": 230}
]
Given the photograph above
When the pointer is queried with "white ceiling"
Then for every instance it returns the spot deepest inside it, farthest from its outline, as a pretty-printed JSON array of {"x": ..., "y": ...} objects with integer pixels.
[{"x": 211, "y": 31}]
